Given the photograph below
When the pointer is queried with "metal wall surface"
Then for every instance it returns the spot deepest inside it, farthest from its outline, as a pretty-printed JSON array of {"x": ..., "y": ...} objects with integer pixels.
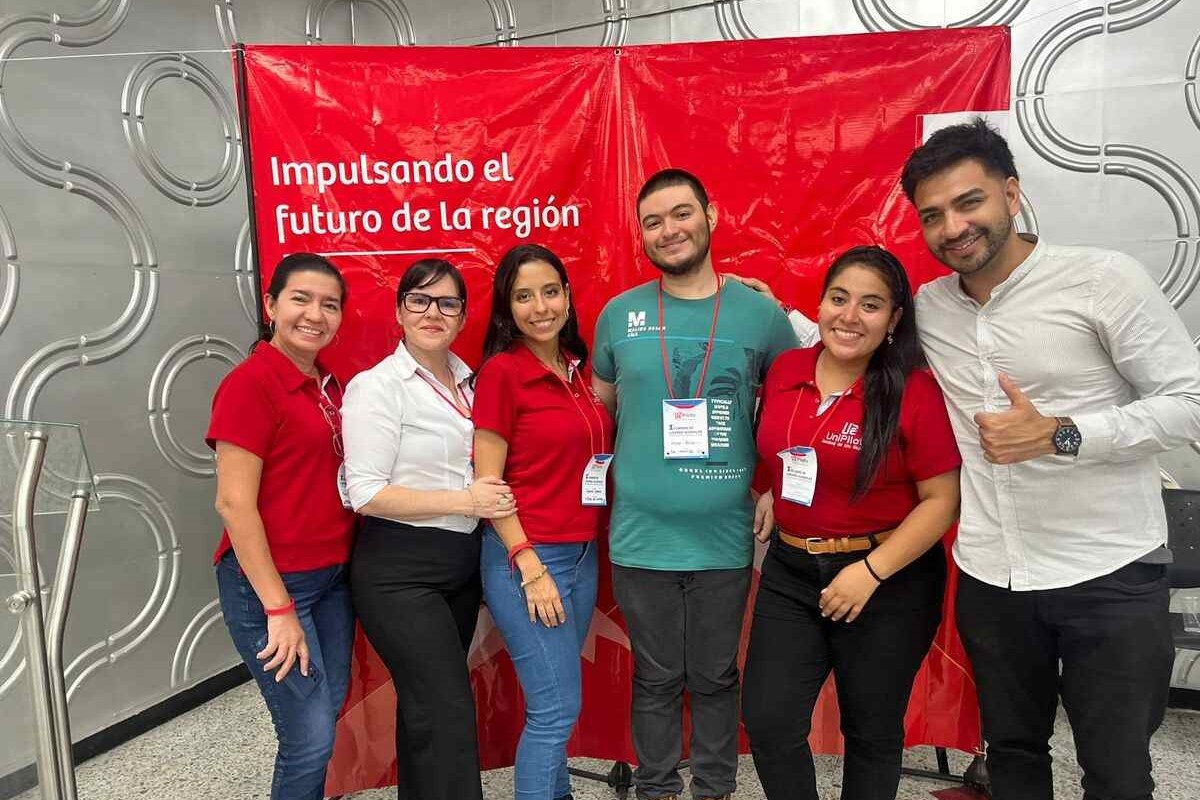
[{"x": 126, "y": 290}]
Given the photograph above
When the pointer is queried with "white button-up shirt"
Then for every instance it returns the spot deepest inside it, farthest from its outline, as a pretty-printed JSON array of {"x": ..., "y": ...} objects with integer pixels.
[
  {"x": 1087, "y": 334},
  {"x": 399, "y": 429}
]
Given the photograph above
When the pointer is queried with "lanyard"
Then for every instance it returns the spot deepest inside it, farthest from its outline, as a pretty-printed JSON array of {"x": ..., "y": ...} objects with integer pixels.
[
  {"x": 828, "y": 415},
  {"x": 662, "y": 338},
  {"x": 453, "y": 403},
  {"x": 333, "y": 416},
  {"x": 574, "y": 402}
]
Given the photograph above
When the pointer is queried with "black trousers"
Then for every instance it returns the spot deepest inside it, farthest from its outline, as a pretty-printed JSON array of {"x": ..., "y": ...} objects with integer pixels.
[
  {"x": 416, "y": 592},
  {"x": 1112, "y": 637},
  {"x": 684, "y": 628},
  {"x": 874, "y": 660}
]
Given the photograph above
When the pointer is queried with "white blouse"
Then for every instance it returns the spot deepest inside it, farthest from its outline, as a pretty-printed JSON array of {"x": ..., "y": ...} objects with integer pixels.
[{"x": 399, "y": 426}]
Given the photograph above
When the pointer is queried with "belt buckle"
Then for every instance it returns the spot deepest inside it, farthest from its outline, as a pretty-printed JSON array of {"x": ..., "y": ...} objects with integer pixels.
[{"x": 813, "y": 540}]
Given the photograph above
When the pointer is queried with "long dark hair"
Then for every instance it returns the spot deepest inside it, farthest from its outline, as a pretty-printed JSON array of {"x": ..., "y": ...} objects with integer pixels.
[
  {"x": 289, "y": 266},
  {"x": 890, "y": 364},
  {"x": 502, "y": 328}
]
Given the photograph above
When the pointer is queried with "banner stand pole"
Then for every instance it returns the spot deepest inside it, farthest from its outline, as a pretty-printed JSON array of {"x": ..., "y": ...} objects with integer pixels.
[
  {"x": 619, "y": 778},
  {"x": 243, "y": 103},
  {"x": 975, "y": 776}
]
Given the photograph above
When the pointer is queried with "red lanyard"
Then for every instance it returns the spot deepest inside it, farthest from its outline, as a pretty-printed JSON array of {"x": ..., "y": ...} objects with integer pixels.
[
  {"x": 662, "y": 338},
  {"x": 574, "y": 402},
  {"x": 333, "y": 418},
  {"x": 828, "y": 415},
  {"x": 448, "y": 401}
]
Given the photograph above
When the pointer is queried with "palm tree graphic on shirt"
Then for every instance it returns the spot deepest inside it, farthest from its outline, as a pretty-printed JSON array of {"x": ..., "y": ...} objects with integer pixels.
[{"x": 686, "y": 362}]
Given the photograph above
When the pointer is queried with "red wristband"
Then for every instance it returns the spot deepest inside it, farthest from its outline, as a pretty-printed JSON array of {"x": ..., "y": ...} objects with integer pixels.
[
  {"x": 515, "y": 549},
  {"x": 279, "y": 612}
]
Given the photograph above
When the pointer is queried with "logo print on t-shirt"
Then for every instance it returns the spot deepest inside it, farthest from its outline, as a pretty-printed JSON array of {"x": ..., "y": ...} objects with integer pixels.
[
  {"x": 636, "y": 325},
  {"x": 850, "y": 438}
]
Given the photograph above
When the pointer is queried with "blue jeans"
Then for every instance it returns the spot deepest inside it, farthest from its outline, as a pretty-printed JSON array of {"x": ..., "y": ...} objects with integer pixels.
[
  {"x": 546, "y": 659},
  {"x": 304, "y": 709}
]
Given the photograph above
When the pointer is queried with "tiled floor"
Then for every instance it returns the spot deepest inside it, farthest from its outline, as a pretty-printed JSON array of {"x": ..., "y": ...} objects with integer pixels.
[{"x": 223, "y": 750}]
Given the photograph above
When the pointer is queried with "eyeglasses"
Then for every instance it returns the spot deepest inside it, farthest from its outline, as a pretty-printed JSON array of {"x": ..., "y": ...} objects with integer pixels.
[
  {"x": 333, "y": 418},
  {"x": 419, "y": 302}
]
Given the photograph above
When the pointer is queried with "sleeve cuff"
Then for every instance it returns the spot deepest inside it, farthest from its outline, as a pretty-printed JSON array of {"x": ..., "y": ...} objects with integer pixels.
[
  {"x": 938, "y": 468},
  {"x": 1096, "y": 430},
  {"x": 493, "y": 427},
  {"x": 805, "y": 329},
  {"x": 236, "y": 439},
  {"x": 362, "y": 492}
]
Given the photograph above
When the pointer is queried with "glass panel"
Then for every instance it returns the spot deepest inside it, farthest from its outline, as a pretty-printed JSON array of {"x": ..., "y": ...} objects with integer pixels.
[{"x": 65, "y": 469}]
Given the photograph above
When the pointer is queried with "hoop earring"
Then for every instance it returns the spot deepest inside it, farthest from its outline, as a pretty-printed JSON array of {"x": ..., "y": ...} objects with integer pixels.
[{"x": 271, "y": 326}]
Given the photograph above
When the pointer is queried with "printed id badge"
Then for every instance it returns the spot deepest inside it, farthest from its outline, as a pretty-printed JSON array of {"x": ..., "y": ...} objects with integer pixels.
[
  {"x": 685, "y": 428},
  {"x": 595, "y": 480},
  {"x": 344, "y": 488},
  {"x": 799, "y": 474}
]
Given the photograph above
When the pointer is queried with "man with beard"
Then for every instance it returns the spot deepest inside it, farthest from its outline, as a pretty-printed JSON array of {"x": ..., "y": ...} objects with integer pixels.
[
  {"x": 679, "y": 360},
  {"x": 1065, "y": 371}
]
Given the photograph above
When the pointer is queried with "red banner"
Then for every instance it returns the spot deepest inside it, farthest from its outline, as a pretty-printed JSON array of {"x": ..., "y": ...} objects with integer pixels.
[{"x": 378, "y": 156}]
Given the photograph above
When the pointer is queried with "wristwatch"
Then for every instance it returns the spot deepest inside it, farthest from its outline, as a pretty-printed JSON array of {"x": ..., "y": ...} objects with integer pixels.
[{"x": 1067, "y": 437}]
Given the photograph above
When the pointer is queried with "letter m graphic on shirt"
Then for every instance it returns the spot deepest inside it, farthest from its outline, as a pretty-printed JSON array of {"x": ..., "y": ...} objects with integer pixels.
[{"x": 637, "y": 319}]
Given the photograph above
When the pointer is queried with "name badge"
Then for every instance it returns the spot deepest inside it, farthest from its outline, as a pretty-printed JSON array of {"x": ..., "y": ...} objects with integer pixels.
[
  {"x": 595, "y": 480},
  {"x": 799, "y": 474},
  {"x": 344, "y": 488},
  {"x": 685, "y": 428}
]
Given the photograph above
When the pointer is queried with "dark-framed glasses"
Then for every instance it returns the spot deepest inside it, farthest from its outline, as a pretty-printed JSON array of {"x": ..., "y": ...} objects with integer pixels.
[{"x": 419, "y": 302}]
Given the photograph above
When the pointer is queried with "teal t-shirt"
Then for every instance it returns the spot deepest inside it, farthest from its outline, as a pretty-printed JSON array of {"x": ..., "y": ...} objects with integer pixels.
[{"x": 696, "y": 513}]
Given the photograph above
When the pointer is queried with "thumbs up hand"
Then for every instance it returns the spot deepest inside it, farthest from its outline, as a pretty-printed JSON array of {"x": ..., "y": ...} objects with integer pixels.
[{"x": 1019, "y": 434}]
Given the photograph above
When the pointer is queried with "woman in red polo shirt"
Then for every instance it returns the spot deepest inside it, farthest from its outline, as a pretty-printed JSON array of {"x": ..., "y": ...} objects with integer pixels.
[
  {"x": 281, "y": 563},
  {"x": 539, "y": 427},
  {"x": 864, "y": 471}
]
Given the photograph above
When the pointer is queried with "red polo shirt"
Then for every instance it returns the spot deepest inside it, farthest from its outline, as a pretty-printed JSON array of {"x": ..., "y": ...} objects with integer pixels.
[
  {"x": 924, "y": 447},
  {"x": 552, "y": 432},
  {"x": 269, "y": 407}
]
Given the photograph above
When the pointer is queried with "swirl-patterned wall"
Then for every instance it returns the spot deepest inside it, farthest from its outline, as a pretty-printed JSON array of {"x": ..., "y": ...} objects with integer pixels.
[{"x": 127, "y": 286}]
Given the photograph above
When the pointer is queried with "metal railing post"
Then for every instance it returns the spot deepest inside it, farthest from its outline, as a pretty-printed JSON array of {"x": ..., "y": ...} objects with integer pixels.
[
  {"x": 56, "y": 625},
  {"x": 27, "y": 601}
]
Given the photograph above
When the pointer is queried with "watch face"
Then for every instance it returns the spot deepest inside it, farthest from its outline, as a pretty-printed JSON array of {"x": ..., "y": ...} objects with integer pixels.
[{"x": 1067, "y": 440}]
